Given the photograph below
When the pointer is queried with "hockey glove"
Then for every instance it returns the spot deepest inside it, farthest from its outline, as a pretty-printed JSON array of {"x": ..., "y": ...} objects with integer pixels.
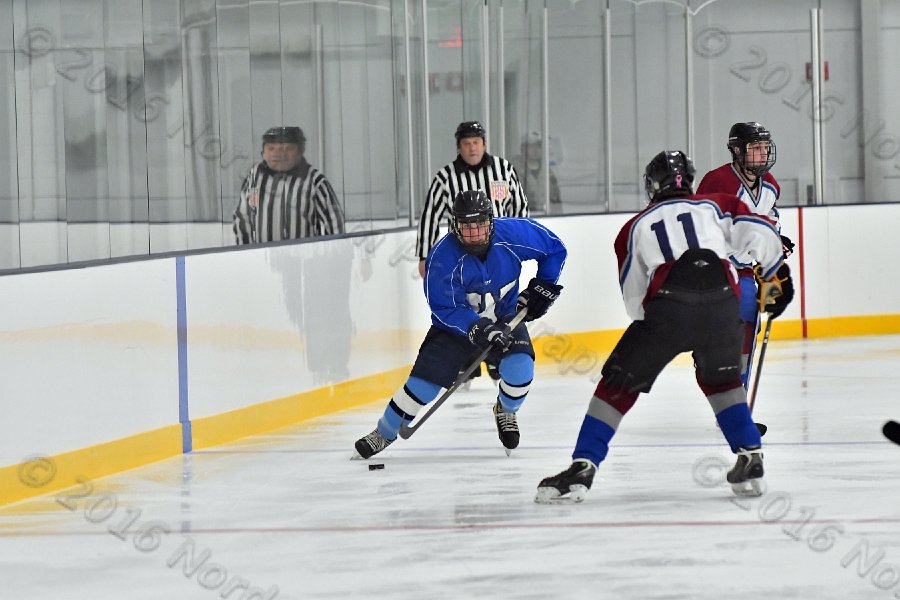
[
  {"x": 538, "y": 297},
  {"x": 776, "y": 293},
  {"x": 787, "y": 246},
  {"x": 486, "y": 334}
]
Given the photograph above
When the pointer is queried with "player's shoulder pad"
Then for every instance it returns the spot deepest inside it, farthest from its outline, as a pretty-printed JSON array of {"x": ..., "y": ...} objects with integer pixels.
[
  {"x": 715, "y": 177},
  {"x": 726, "y": 202},
  {"x": 447, "y": 246},
  {"x": 517, "y": 229},
  {"x": 770, "y": 179}
]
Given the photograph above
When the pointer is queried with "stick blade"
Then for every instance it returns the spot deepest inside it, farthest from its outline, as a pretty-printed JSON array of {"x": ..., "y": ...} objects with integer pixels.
[
  {"x": 406, "y": 431},
  {"x": 891, "y": 431}
]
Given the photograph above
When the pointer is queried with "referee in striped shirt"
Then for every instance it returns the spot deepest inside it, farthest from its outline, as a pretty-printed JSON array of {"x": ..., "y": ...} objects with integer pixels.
[
  {"x": 284, "y": 197},
  {"x": 473, "y": 169}
]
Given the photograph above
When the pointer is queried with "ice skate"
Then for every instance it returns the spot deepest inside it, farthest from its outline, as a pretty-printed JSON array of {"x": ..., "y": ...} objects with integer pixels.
[
  {"x": 572, "y": 484},
  {"x": 370, "y": 445},
  {"x": 507, "y": 428},
  {"x": 746, "y": 477}
]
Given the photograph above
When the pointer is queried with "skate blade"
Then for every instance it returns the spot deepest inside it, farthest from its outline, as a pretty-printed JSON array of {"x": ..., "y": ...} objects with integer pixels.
[
  {"x": 551, "y": 495},
  {"x": 750, "y": 488}
]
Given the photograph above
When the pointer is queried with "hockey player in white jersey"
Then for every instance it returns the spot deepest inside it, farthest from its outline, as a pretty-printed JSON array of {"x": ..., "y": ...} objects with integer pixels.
[
  {"x": 681, "y": 291},
  {"x": 748, "y": 176}
]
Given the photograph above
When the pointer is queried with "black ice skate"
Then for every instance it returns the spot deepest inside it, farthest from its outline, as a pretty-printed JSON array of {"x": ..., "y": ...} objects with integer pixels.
[
  {"x": 574, "y": 481},
  {"x": 746, "y": 475},
  {"x": 507, "y": 427},
  {"x": 370, "y": 445}
]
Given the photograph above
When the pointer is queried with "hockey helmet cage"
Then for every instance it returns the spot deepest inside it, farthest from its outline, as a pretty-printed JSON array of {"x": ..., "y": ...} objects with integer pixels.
[
  {"x": 742, "y": 134},
  {"x": 472, "y": 207}
]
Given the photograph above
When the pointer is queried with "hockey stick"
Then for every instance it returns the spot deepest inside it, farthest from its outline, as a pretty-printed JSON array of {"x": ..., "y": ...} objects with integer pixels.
[
  {"x": 762, "y": 355},
  {"x": 891, "y": 431},
  {"x": 406, "y": 430}
]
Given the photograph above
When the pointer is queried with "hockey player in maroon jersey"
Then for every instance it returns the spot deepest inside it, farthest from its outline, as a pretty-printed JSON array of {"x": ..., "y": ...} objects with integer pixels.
[
  {"x": 681, "y": 291},
  {"x": 748, "y": 177}
]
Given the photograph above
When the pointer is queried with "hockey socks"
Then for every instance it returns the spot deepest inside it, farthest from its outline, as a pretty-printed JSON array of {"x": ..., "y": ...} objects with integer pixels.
[
  {"x": 516, "y": 373},
  {"x": 593, "y": 440},
  {"x": 738, "y": 427},
  {"x": 405, "y": 405}
]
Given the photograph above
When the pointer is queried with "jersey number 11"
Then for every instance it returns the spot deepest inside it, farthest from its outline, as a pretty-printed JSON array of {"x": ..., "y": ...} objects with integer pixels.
[{"x": 662, "y": 236}]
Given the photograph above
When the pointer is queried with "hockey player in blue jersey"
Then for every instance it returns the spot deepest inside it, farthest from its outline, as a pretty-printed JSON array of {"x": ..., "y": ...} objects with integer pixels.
[
  {"x": 681, "y": 291},
  {"x": 472, "y": 287}
]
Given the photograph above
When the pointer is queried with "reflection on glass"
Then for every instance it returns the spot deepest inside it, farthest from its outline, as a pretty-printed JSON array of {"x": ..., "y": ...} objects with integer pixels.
[
  {"x": 201, "y": 111},
  {"x": 9, "y": 210},
  {"x": 164, "y": 117},
  {"x": 147, "y": 115}
]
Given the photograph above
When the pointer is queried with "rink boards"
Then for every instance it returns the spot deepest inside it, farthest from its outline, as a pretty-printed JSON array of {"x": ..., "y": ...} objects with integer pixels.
[{"x": 110, "y": 367}]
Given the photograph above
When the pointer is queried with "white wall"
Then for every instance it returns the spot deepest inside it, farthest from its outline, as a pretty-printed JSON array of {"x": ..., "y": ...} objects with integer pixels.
[{"x": 90, "y": 355}]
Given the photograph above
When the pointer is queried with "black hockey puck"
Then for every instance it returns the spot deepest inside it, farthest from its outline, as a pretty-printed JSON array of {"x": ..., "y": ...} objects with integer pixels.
[{"x": 376, "y": 466}]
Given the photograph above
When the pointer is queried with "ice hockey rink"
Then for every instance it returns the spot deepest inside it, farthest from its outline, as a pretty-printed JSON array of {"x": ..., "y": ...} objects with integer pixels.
[{"x": 288, "y": 515}]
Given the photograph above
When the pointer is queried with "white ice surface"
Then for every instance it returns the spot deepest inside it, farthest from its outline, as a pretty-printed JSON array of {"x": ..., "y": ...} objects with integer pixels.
[{"x": 452, "y": 517}]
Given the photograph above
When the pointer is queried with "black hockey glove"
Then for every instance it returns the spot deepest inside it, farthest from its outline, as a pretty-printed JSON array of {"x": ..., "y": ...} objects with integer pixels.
[
  {"x": 538, "y": 297},
  {"x": 485, "y": 334},
  {"x": 776, "y": 293},
  {"x": 787, "y": 246}
]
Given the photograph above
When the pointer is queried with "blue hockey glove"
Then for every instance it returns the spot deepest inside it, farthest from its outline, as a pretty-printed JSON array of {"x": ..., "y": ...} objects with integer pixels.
[
  {"x": 485, "y": 334},
  {"x": 538, "y": 297}
]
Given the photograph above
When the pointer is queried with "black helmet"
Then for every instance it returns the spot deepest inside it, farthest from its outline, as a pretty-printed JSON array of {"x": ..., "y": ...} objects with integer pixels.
[
  {"x": 284, "y": 135},
  {"x": 669, "y": 174},
  {"x": 742, "y": 134},
  {"x": 472, "y": 207},
  {"x": 468, "y": 129}
]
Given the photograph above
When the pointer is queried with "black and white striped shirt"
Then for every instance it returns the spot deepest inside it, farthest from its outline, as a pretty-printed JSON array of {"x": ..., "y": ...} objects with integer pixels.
[
  {"x": 495, "y": 176},
  {"x": 286, "y": 205}
]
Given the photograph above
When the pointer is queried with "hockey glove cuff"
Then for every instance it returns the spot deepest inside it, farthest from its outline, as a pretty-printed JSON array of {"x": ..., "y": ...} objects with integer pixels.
[
  {"x": 485, "y": 334},
  {"x": 776, "y": 293},
  {"x": 537, "y": 298}
]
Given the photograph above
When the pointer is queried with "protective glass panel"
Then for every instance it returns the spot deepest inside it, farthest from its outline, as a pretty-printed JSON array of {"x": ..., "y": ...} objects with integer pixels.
[
  {"x": 523, "y": 94},
  {"x": 882, "y": 84},
  {"x": 577, "y": 165},
  {"x": 448, "y": 84},
  {"x": 9, "y": 181},
  {"x": 648, "y": 93},
  {"x": 748, "y": 70}
]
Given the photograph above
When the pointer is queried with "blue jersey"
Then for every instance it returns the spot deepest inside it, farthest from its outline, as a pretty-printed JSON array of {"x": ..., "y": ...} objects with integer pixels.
[{"x": 461, "y": 288}]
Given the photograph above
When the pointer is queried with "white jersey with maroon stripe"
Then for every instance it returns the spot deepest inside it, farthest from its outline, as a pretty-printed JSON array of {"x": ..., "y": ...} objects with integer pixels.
[
  {"x": 650, "y": 242},
  {"x": 760, "y": 198}
]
